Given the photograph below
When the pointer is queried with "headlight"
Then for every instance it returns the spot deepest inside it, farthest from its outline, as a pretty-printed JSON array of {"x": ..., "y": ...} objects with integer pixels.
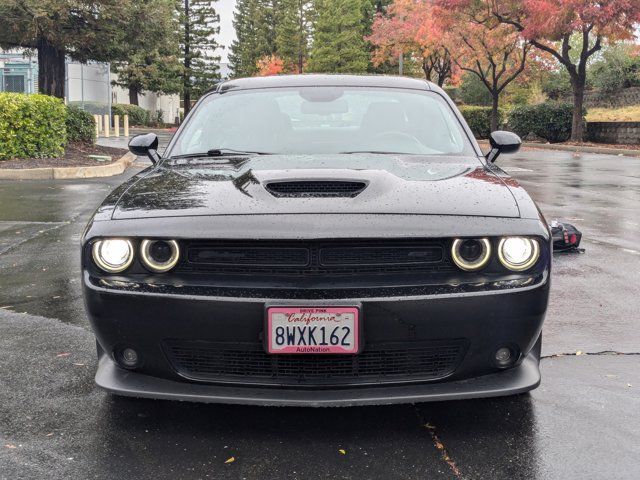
[
  {"x": 159, "y": 255},
  {"x": 113, "y": 255},
  {"x": 518, "y": 253},
  {"x": 471, "y": 253}
]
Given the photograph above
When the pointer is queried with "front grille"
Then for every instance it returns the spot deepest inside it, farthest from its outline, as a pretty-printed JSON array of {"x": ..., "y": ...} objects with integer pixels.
[
  {"x": 321, "y": 189},
  {"x": 315, "y": 259},
  {"x": 378, "y": 363}
]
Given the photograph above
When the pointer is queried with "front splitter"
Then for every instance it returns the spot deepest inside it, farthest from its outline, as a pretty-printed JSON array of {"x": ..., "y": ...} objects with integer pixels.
[{"x": 520, "y": 379}]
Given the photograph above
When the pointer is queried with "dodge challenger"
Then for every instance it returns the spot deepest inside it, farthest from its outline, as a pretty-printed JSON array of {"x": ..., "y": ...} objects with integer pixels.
[{"x": 319, "y": 240}]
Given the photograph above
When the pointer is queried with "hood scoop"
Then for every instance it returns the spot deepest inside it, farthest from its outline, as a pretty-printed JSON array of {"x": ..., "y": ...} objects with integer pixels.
[{"x": 316, "y": 189}]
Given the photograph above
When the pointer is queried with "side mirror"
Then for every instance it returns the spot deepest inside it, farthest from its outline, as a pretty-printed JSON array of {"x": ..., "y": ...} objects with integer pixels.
[
  {"x": 503, "y": 142},
  {"x": 146, "y": 144}
]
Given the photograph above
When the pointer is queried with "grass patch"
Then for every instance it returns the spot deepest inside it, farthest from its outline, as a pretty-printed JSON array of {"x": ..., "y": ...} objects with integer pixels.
[{"x": 623, "y": 114}]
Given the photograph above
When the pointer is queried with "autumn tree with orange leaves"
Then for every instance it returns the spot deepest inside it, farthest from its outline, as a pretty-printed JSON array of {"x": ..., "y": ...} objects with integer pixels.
[
  {"x": 450, "y": 40},
  {"x": 269, "y": 65},
  {"x": 571, "y": 31},
  {"x": 409, "y": 28},
  {"x": 490, "y": 50}
]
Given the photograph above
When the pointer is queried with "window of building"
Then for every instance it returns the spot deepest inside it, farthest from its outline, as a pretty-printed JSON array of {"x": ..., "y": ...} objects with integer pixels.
[{"x": 14, "y": 83}]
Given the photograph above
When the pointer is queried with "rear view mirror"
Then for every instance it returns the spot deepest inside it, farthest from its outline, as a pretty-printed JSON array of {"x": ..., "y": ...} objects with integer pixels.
[
  {"x": 145, "y": 145},
  {"x": 503, "y": 142},
  {"x": 324, "y": 108}
]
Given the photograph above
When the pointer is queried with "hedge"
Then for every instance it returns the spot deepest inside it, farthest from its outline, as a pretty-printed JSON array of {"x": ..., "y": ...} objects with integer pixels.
[
  {"x": 95, "y": 108},
  {"x": 551, "y": 121},
  {"x": 31, "y": 126},
  {"x": 479, "y": 119},
  {"x": 137, "y": 115},
  {"x": 81, "y": 126}
]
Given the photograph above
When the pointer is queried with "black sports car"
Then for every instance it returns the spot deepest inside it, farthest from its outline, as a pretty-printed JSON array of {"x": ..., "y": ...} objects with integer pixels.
[{"x": 319, "y": 240}]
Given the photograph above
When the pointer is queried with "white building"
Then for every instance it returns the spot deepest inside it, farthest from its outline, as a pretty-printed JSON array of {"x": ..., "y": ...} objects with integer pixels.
[
  {"x": 169, "y": 105},
  {"x": 87, "y": 85}
]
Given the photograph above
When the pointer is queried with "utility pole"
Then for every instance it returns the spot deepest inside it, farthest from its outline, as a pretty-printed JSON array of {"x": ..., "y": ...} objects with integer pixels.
[{"x": 186, "y": 84}]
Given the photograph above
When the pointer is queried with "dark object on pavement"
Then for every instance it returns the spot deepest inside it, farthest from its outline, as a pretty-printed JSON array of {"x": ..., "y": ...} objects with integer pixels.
[
  {"x": 319, "y": 240},
  {"x": 566, "y": 237}
]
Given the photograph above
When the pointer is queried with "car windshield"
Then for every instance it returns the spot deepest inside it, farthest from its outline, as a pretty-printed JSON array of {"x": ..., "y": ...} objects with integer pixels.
[{"x": 323, "y": 120}]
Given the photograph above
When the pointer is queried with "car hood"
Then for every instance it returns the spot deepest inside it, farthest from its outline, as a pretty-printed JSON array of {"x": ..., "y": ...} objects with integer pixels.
[{"x": 395, "y": 184}]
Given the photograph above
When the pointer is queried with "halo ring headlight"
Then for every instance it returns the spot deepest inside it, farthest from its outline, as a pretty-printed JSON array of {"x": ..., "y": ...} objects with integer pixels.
[
  {"x": 159, "y": 265},
  {"x": 113, "y": 255},
  {"x": 471, "y": 265},
  {"x": 518, "y": 253}
]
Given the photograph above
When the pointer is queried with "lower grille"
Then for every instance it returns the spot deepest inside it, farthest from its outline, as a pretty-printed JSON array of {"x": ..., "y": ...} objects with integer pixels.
[{"x": 378, "y": 363}]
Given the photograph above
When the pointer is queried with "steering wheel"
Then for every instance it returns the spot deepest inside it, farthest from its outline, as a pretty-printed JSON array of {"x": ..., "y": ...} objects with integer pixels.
[{"x": 403, "y": 137}]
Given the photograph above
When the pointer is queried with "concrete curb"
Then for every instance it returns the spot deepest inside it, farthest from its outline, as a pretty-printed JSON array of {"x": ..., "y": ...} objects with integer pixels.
[
  {"x": 585, "y": 149},
  {"x": 574, "y": 148},
  {"x": 61, "y": 173}
]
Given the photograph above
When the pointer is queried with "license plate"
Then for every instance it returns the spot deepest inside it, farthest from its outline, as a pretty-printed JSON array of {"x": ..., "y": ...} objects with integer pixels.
[{"x": 313, "y": 330}]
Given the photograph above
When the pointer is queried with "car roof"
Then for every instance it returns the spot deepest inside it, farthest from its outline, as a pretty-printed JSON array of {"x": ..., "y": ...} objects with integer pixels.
[{"x": 316, "y": 80}]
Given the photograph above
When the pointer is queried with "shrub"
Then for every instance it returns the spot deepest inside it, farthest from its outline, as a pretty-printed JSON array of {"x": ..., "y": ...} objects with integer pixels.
[
  {"x": 551, "y": 121},
  {"x": 556, "y": 84},
  {"x": 81, "y": 126},
  {"x": 479, "y": 119},
  {"x": 31, "y": 126},
  {"x": 618, "y": 68},
  {"x": 137, "y": 115},
  {"x": 473, "y": 92},
  {"x": 94, "y": 108},
  {"x": 453, "y": 92}
]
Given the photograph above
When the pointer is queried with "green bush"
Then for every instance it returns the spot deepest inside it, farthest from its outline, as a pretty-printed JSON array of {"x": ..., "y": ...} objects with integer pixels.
[
  {"x": 473, "y": 92},
  {"x": 95, "y": 108},
  {"x": 618, "y": 68},
  {"x": 557, "y": 84},
  {"x": 81, "y": 126},
  {"x": 479, "y": 119},
  {"x": 551, "y": 121},
  {"x": 31, "y": 126},
  {"x": 137, "y": 115}
]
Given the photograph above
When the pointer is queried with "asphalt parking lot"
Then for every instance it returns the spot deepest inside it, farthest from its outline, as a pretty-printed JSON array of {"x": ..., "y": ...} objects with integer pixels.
[{"x": 582, "y": 422}]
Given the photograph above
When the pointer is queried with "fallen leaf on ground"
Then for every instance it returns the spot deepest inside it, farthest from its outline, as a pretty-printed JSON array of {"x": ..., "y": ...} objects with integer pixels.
[
  {"x": 230, "y": 460},
  {"x": 579, "y": 352},
  {"x": 8, "y": 445},
  {"x": 342, "y": 451},
  {"x": 65, "y": 354}
]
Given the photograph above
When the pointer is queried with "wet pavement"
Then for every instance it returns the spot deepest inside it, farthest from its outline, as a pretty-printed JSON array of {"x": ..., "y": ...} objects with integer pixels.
[{"x": 582, "y": 422}]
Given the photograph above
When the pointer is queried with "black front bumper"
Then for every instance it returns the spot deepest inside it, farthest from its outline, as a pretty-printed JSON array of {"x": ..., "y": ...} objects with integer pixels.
[
  {"x": 481, "y": 321},
  {"x": 520, "y": 379}
]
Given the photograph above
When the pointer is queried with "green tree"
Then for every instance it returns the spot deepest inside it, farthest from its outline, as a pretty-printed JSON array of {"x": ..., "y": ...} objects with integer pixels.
[
  {"x": 153, "y": 61},
  {"x": 619, "y": 67},
  {"x": 255, "y": 22},
  {"x": 82, "y": 29},
  {"x": 199, "y": 27},
  {"x": 338, "y": 42},
  {"x": 293, "y": 32}
]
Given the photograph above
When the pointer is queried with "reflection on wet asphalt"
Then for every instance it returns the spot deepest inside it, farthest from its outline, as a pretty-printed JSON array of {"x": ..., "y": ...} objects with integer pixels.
[{"x": 581, "y": 423}]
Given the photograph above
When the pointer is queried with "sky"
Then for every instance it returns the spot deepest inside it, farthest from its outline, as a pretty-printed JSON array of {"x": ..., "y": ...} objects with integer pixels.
[{"x": 225, "y": 9}]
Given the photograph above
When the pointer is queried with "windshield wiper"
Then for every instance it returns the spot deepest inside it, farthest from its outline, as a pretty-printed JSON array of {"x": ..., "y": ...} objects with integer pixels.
[
  {"x": 217, "y": 152},
  {"x": 380, "y": 152}
]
